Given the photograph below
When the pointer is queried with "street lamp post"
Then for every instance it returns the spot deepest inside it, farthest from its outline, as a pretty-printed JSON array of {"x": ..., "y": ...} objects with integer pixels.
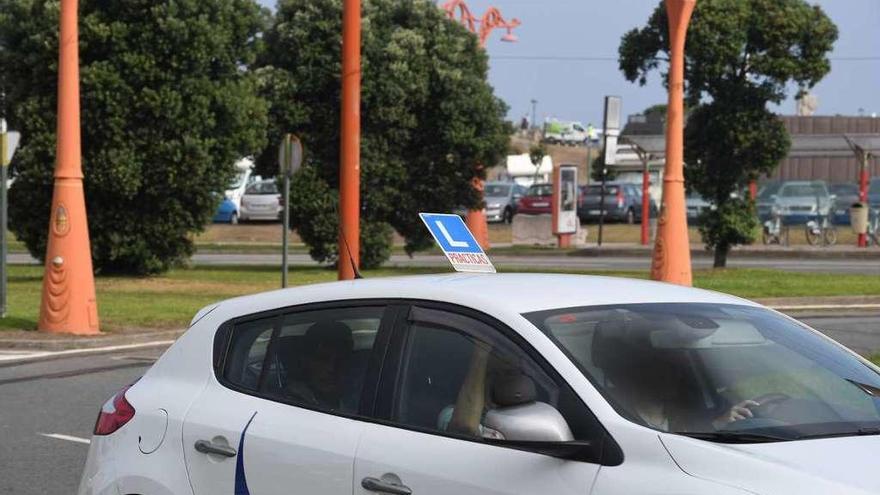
[
  {"x": 534, "y": 114},
  {"x": 68, "y": 303},
  {"x": 671, "y": 260},
  {"x": 348, "y": 247}
]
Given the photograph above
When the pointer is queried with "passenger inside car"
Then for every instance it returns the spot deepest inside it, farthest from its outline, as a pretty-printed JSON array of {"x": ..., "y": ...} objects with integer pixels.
[{"x": 317, "y": 375}]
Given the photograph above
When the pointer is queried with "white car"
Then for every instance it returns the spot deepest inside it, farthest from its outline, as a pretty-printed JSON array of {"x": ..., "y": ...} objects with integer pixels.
[
  {"x": 436, "y": 385},
  {"x": 261, "y": 201}
]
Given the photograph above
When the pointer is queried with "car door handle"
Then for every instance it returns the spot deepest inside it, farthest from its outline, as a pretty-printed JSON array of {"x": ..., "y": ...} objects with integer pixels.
[
  {"x": 206, "y": 447},
  {"x": 377, "y": 485}
]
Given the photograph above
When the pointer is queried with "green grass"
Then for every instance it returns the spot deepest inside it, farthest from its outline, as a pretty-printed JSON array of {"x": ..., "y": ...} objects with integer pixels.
[{"x": 170, "y": 300}]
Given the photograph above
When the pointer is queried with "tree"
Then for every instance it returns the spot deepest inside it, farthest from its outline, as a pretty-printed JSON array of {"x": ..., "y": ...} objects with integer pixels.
[
  {"x": 429, "y": 120},
  {"x": 740, "y": 56},
  {"x": 167, "y": 108}
]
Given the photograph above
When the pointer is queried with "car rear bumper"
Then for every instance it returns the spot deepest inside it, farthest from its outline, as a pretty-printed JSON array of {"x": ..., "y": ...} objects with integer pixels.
[{"x": 610, "y": 213}]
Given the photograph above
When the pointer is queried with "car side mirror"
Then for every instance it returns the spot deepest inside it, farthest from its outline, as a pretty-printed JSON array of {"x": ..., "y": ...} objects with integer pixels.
[{"x": 533, "y": 422}]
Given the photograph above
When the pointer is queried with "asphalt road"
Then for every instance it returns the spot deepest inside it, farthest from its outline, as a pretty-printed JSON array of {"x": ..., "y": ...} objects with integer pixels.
[
  {"x": 48, "y": 408},
  {"x": 841, "y": 265}
]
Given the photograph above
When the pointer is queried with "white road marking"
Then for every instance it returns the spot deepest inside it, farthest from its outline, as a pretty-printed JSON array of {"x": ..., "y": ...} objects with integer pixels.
[{"x": 68, "y": 438}]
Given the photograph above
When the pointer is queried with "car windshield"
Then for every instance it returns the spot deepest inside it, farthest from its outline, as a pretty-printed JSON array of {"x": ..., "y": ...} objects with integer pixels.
[
  {"x": 713, "y": 371},
  {"x": 801, "y": 190},
  {"x": 497, "y": 190},
  {"x": 540, "y": 190},
  {"x": 768, "y": 190}
]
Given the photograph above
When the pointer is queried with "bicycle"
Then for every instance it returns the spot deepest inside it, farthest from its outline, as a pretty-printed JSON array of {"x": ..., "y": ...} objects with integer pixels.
[
  {"x": 774, "y": 231},
  {"x": 821, "y": 229}
]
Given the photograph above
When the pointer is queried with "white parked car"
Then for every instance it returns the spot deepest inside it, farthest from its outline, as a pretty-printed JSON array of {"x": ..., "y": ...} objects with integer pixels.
[
  {"x": 261, "y": 201},
  {"x": 435, "y": 385}
]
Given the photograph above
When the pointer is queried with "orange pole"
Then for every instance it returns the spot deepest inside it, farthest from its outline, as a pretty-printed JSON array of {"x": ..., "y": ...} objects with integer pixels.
[
  {"x": 68, "y": 303},
  {"x": 476, "y": 219},
  {"x": 350, "y": 145},
  {"x": 672, "y": 255},
  {"x": 753, "y": 189}
]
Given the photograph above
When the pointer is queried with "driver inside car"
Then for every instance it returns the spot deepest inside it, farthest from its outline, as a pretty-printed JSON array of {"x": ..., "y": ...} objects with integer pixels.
[
  {"x": 650, "y": 384},
  {"x": 320, "y": 377}
]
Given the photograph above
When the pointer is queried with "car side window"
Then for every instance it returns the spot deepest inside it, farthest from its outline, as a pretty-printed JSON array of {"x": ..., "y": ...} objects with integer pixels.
[
  {"x": 247, "y": 351},
  {"x": 457, "y": 371},
  {"x": 314, "y": 358}
]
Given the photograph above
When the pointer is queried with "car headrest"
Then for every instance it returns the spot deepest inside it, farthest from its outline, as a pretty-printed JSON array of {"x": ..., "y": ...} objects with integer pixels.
[
  {"x": 513, "y": 390},
  {"x": 619, "y": 342},
  {"x": 333, "y": 334}
]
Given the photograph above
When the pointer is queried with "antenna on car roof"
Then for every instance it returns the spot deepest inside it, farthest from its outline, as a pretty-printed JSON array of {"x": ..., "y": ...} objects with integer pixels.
[{"x": 354, "y": 267}]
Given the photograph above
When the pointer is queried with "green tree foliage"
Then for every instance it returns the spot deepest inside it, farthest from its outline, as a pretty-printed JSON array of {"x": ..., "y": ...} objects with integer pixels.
[
  {"x": 167, "y": 108},
  {"x": 429, "y": 119},
  {"x": 740, "y": 56}
]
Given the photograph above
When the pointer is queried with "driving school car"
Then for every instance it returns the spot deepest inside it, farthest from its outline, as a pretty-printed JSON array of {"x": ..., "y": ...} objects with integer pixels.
[{"x": 434, "y": 385}]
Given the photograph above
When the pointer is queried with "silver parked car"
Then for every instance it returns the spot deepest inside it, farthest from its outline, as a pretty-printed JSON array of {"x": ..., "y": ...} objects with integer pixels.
[
  {"x": 798, "y": 202},
  {"x": 261, "y": 201},
  {"x": 501, "y": 200}
]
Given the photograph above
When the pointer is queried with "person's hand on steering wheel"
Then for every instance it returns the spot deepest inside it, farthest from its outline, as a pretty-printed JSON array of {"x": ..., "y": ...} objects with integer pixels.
[{"x": 738, "y": 412}]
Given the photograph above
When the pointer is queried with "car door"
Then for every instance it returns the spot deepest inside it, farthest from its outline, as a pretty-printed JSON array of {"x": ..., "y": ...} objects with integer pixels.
[
  {"x": 442, "y": 361},
  {"x": 280, "y": 415}
]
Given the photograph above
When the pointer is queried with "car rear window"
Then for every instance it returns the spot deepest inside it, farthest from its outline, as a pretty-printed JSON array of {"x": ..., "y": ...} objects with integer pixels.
[
  {"x": 596, "y": 190},
  {"x": 540, "y": 190}
]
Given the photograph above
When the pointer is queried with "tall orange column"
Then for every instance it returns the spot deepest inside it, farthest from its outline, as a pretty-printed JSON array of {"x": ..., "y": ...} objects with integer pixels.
[
  {"x": 350, "y": 146},
  {"x": 476, "y": 219},
  {"x": 672, "y": 256},
  {"x": 68, "y": 304}
]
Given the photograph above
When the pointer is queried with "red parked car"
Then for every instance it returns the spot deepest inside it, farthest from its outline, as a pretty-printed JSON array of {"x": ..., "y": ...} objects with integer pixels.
[{"x": 537, "y": 200}]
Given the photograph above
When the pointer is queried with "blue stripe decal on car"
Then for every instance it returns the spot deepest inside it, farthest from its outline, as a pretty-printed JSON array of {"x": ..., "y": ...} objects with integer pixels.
[{"x": 241, "y": 487}]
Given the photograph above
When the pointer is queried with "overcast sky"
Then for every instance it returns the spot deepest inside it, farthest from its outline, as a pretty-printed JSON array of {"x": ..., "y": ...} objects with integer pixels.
[{"x": 573, "y": 89}]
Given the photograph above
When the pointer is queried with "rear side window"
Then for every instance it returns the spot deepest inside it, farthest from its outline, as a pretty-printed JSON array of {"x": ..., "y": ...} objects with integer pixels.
[
  {"x": 318, "y": 359},
  {"x": 247, "y": 351}
]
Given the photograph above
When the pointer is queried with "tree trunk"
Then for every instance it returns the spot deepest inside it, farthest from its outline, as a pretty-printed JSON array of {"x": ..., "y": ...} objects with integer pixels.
[{"x": 721, "y": 256}]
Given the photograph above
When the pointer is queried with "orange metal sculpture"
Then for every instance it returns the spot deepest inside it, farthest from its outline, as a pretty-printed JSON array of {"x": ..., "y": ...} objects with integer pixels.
[
  {"x": 350, "y": 145},
  {"x": 68, "y": 304},
  {"x": 492, "y": 19},
  {"x": 672, "y": 256}
]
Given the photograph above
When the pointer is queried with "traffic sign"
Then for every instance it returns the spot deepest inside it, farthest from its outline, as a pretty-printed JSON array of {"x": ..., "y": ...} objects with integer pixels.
[
  {"x": 457, "y": 242},
  {"x": 11, "y": 143},
  {"x": 290, "y": 155}
]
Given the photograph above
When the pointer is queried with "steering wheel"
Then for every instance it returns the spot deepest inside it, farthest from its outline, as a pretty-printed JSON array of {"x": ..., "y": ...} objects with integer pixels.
[{"x": 768, "y": 402}]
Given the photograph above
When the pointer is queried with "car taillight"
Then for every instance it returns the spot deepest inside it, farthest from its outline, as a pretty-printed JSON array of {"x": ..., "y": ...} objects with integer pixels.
[
  {"x": 620, "y": 198},
  {"x": 114, "y": 414}
]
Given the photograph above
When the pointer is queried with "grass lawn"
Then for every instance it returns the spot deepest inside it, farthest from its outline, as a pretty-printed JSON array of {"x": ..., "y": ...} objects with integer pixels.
[{"x": 170, "y": 300}]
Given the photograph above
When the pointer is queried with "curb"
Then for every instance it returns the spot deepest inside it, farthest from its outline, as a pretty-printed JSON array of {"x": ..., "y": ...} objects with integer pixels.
[
  {"x": 38, "y": 356},
  {"x": 74, "y": 343}
]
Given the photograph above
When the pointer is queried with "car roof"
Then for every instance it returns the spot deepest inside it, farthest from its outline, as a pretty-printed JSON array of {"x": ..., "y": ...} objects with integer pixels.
[{"x": 510, "y": 293}]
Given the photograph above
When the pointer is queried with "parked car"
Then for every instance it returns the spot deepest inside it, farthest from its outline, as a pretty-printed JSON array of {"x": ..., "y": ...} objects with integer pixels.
[
  {"x": 227, "y": 212},
  {"x": 506, "y": 384},
  {"x": 537, "y": 199},
  {"x": 845, "y": 195},
  {"x": 766, "y": 198},
  {"x": 801, "y": 201},
  {"x": 261, "y": 201},
  {"x": 874, "y": 193},
  {"x": 502, "y": 199},
  {"x": 229, "y": 209},
  {"x": 623, "y": 202},
  {"x": 695, "y": 204}
]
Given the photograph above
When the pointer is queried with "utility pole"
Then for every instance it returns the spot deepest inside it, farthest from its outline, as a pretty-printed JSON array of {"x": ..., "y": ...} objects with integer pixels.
[
  {"x": 348, "y": 247},
  {"x": 671, "y": 260}
]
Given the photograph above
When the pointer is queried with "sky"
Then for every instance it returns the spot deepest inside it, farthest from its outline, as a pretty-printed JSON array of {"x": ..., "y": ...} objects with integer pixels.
[{"x": 574, "y": 89}]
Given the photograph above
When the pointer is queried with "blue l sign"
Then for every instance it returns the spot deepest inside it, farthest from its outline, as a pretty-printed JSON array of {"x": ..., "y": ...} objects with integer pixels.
[{"x": 457, "y": 242}]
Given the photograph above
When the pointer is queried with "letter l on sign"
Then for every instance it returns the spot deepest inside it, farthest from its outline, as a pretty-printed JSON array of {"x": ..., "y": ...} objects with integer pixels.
[{"x": 452, "y": 242}]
